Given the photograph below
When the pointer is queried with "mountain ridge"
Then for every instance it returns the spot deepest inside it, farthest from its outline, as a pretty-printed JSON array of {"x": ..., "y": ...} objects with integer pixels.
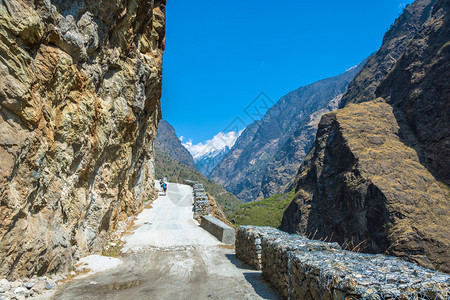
[
  {"x": 208, "y": 162},
  {"x": 242, "y": 171},
  {"x": 168, "y": 142}
]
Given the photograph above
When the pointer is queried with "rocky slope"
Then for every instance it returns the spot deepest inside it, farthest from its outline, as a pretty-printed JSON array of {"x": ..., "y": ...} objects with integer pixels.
[
  {"x": 369, "y": 179},
  {"x": 80, "y": 102},
  {"x": 168, "y": 142},
  {"x": 259, "y": 164},
  {"x": 280, "y": 172},
  {"x": 402, "y": 31}
]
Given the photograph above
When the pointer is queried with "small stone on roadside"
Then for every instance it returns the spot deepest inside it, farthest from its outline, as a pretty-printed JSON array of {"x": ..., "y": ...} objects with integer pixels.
[
  {"x": 29, "y": 285},
  {"x": 21, "y": 291},
  {"x": 14, "y": 285},
  {"x": 93, "y": 282},
  {"x": 39, "y": 287},
  {"x": 5, "y": 284},
  {"x": 50, "y": 285}
]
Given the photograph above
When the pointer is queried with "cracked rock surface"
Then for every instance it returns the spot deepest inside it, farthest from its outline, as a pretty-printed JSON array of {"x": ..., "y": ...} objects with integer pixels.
[{"x": 80, "y": 87}]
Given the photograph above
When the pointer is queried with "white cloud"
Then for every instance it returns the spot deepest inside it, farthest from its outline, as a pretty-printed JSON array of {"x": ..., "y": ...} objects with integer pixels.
[{"x": 217, "y": 143}]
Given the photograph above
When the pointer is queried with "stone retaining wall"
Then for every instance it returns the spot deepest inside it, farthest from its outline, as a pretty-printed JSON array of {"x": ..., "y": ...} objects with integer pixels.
[
  {"x": 248, "y": 243},
  {"x": 201, "y": 200},
  {"x": 277, "y": 251},
  {"x": 300, "y": 268},
  {"x": 201, "y": 208}
]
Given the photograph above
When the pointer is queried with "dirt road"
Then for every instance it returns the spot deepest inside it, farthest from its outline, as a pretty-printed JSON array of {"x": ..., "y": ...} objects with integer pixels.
[{"x": 170, "y": 257}]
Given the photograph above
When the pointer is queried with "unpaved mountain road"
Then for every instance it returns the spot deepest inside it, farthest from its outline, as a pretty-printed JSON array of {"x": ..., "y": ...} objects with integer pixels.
[{"x": 170, "y": 257}]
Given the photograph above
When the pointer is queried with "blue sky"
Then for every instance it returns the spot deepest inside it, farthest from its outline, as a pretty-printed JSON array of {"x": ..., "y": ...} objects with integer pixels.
[{"x": 221, "y": 54}]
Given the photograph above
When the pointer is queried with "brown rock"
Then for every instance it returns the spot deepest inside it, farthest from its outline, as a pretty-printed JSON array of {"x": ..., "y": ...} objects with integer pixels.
[{"x": 80, "y": 86}]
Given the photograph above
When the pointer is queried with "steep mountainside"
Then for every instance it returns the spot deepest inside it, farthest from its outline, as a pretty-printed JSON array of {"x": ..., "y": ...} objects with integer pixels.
[
  {"x": 256, "y": 154},
  {"x": 175, "y": 171},
  {"x": 80, "y": 87},
  {"x": 369, "y": 178},
  {"x": 168, "y": 142},
  {"x": 363, "y": 87},
  {"x": 280, "y": 172}
]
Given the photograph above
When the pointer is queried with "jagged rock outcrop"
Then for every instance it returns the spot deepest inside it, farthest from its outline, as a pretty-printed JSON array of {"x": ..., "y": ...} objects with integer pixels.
[
  {"x": 80, "y": 86},
  {"x": 168, "y": 142},
  {"x": 403, "y": 30},
  {"x": 261, "y": 163},
  {"x": 369, "y": 179},
  {"x": 418, "y": 89}
]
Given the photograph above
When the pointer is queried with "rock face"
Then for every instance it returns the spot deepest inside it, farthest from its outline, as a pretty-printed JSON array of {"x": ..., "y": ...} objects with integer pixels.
[
  {"x": 168, "y": 142},
  {"x": 418, "y": 90},
  {"x": 269, "y": 152},
  {"x": 363, "y": 86},
  {"x": 80, "y": 102},
  {"x": 369, "y": 179}
]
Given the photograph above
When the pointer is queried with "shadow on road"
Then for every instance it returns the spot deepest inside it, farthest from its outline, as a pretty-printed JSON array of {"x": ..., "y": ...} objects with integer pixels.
[
  {"x": 235, "y": 261},
  {"x": 260, "y": 285}
]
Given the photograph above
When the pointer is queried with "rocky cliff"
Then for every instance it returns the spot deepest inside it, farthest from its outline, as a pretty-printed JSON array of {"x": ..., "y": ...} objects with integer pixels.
[
  {"x": 369, "y": 179},
  {"x": 80, "y": 86},
  {"x": 396, "y": 39},
  {"x": 260, "y": 164},
  {"x": 168, "y": 142}
]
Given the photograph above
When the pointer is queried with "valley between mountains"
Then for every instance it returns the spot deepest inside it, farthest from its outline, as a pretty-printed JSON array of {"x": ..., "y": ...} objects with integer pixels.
[
  {"x": 364, "y": 153},
  {"x": 357, "y": 162}
]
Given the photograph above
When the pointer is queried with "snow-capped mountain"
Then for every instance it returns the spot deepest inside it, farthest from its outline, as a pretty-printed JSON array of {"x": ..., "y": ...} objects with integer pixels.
[
  {"x": 209, "y": 154},
  {"x": 206, "y": 163}
]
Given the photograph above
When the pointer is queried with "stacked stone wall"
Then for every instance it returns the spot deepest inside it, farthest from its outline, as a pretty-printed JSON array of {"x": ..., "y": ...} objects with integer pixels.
[
  {"x": 201, "y": 200},
  {"x": 277, "y": 252},
  {"x": 300, "y": 268}
]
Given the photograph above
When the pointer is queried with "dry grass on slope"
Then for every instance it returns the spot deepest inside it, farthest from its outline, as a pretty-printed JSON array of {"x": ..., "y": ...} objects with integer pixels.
[{"x": 417, "y": 203}]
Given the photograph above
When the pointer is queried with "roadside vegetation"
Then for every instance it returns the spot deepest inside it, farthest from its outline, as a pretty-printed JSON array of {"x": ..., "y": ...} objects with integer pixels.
[{"x": 267, "y": 212}]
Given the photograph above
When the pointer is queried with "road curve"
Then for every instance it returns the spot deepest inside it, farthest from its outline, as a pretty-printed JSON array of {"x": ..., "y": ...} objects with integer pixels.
[{"x": 169, "y": 256}]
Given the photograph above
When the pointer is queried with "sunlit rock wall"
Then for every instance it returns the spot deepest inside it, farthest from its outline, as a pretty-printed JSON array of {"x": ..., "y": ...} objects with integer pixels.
[{"x": 80, "y": 87}]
